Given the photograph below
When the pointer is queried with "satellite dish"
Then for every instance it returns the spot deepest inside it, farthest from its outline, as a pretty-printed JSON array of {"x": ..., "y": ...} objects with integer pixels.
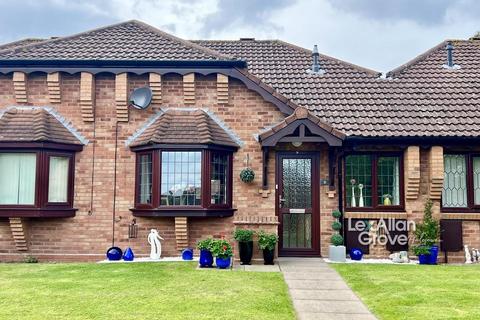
[{"x": 141, "y": 98}]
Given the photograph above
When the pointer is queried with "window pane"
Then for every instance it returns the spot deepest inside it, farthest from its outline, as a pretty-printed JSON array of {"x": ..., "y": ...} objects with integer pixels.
[
  {"x": 388, "y": 181},
  {"x": 218, "y": 178},
  {"x": 181, "y": 185},
  {"x": 58, "y": 179},
  {"x": 358, "y": 180},
  {"x": 454, "y": 192},
  {"x": 19, "y": 170},
  {"x": 476, "y": 179},
  {"x": 145, "y": 178}
]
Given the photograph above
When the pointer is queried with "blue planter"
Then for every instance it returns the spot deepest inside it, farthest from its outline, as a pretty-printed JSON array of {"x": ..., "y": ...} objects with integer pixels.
[
  {"x": 187, "y": 254},
  {"x": 223, "y": 263},
  {"x": 114, "y": 254},
  {"x": 206, "y": 259},
  {"x": 432, "y": 257},
  {"x": 128, "y": 255},
  {"x": 356, "y": 254},
  {"x": 424, "y": 258}
]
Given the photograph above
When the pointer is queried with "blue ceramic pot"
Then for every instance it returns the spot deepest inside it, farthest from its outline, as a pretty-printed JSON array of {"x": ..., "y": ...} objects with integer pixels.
[
  {"x": 114, "y": 254},
  {"x": 423, "y": 258},
  {"x": 206, "y": 259},
  {"x": 187, "y": 254},
  {"x": 432, "y": 257},
  {"x": 222, "y": 263},
  {"x": 356, "y": 254},
  {"x": 128, "y": 255}
]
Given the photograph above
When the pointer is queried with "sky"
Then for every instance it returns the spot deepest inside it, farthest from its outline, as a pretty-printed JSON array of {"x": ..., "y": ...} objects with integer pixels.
[{"x": 376, "y": 34}]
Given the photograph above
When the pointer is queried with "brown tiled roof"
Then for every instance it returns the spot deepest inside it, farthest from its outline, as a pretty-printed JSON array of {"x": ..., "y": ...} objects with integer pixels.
[
  {"x": 184, "y": 126},
  {"x": 20, "y": 43},
  {"x": 32, "y": 124},
  {"x": 131, "y": 40},
  {"x": 301, "y": 113},
  {"x": 423, "y": 99}
]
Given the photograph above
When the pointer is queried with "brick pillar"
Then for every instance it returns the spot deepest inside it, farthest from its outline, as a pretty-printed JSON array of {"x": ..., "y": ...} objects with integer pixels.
[
  {"x": 18, "y": 226},
  {"x": 87, "y": 96},
  {"x": 20, "y": 86},
  {"x": 155, "y": 82},
  {"x": 53, "y": 84},
  {"x": 121, "y": 89},
  {"x": 181, "y": 232},
  {"x": 189, "y": 88},
  {"x": 436, "y": 172},
  {"x": 222, "y": 89},
  {"x": 412, "y": 172}
]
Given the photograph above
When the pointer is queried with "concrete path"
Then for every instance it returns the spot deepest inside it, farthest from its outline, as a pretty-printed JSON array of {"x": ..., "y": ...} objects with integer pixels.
[{"x": 318, "y": 291}]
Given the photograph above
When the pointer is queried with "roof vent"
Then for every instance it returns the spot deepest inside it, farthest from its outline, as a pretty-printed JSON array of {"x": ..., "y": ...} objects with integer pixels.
[
  {"x": 450, "y": 64},
  {"x": 315, "y": 62},
  {"x": 247, "y": 39}
]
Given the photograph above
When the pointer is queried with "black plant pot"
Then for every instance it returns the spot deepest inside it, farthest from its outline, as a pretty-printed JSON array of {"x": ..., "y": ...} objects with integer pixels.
[
  {"x": 268, "y": 256},
  {"x": 246, "y": 252}
]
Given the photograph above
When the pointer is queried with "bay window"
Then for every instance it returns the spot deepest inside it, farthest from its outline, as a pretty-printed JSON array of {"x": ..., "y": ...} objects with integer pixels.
[
  {"x": 36, "y": 183},
  {"x": 461, "y": 185},
  {"x": 373, "y": 181},
  {"x": 176, "y": 182}
]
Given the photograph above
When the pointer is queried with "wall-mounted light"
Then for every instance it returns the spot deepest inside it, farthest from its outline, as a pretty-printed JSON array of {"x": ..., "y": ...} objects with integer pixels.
[{"x": 297, "y": 144}]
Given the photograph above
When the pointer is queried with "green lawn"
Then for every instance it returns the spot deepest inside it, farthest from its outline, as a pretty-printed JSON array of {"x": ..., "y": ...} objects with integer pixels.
[
  {"x": 139, "y": 291},
  {"x": 416, "y": 292}
]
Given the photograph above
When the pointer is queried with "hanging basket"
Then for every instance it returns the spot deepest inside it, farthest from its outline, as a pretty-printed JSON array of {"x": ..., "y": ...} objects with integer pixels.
[{"x": 247, "y": 175}]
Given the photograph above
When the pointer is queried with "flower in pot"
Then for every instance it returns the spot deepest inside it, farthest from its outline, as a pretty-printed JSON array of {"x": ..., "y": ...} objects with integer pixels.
[
  {"x": 247, "y": 175},
  {"x": 267, "y": 243},
  {"x": 337, "y": 251},
  {"x": 245, "y": 244},
  {"x": 206, "y": 258},
  {"x": 427, "y": 234},
  {"x": 222, "y": 251}
]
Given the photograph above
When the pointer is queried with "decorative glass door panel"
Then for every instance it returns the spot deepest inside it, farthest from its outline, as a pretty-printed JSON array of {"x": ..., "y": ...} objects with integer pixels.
[{"x": 298, "y": 203}]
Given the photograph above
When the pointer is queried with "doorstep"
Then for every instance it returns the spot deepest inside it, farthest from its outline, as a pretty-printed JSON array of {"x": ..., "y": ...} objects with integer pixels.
[{"x": 147, "y": 259}]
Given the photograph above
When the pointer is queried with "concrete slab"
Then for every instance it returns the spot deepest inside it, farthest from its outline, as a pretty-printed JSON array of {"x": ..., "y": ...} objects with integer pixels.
[
  {"x": 330, "y": 306},
  {"x": 317, "y": 284},
  {"x": 319, "y": 275},
  {"x": 262, "y": 268},
  {"x": 334, "y": 316},
  {"x": 325, "y": 295}
]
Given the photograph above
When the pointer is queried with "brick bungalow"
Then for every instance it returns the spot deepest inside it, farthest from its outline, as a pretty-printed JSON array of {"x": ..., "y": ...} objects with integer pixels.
[{"x": 79, "y": 166}]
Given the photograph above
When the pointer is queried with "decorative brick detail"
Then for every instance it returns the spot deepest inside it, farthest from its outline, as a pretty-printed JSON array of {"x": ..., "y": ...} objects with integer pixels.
[
  {"x": 181, "y": 232},
  {"x": 121, "y": 92},
  {"x": 264, "y": 192},
  {"x": 375, "y": 215},
  {"x": 189, "y": 88},
  {"x": 87, "y": 94},
  {"x": 20, "y": 86},
  {"x": 412, "y": 172},
  {"x": 258, "y": 220},
  {"x": 436, "y": 172},
  {"x": 53, "y": 84},
  {"x": 19, "y": 233},
  {"x": 155, "y": 82},
  {"x": 222, "y": 89}
]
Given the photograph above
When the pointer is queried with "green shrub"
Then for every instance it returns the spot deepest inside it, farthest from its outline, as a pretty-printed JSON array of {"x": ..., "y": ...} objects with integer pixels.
[
  {"x": 336, "y": 225},
  {"x": 267, "y": 240},
  {"x": 221, "y": 248},
  {"x": 427, "y": 232},
  {"x": 336, "y": 214},
  {"x": 336, "y": 240},
  {"x": 421, "y": 249},
  {"x": 247, "y": 175},
  {"x": 243, "y": 235},
  {"x": 205, "y": 244},
  {"x": 30, "y": 259}
]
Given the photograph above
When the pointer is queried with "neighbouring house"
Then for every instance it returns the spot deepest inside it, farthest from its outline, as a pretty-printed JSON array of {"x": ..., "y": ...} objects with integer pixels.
[{"x": 80, "y": 169}]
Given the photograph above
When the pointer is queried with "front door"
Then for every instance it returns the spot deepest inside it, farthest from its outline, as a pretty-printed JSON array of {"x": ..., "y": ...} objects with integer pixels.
[{"x": 297, "y": 205}]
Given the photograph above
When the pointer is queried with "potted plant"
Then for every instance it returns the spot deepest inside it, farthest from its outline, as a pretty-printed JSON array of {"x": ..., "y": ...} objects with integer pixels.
[
  {"x": 427, "y": 234},
  {"x": 247, "y": 175},
  {"x": 222, "y": 251},
  {"x": 206, "y": 258},
  {"x": 337, "y": 251},
  {"x": 245, "y": 244},
  {"x": 267, "y": 243}
]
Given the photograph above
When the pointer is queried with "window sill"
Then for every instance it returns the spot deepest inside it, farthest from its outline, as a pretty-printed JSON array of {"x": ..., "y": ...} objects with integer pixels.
[
  {"x": 375, "y": 214},
  {"x": 184, "y": 212},
  {"x": 37, "y": 212},
  {"x": 460, "y": 215}
]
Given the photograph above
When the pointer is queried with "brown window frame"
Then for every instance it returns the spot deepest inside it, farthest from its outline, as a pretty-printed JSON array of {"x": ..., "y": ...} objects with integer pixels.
[
  {"x": 374, "y": 164},
  {"x": 41, "y": 206},
  {"x": 471, "y": 207},
  {"x": 206, "y": 208}
]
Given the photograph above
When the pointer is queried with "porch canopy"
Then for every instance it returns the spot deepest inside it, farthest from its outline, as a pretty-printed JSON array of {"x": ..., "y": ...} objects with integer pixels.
[{"x": 301, "y": 126}]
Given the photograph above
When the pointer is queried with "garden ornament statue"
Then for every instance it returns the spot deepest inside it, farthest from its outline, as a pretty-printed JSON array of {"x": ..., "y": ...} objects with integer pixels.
[
  {"x": 156, "y": 247},
  {"x": 468, "y": 256}
]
